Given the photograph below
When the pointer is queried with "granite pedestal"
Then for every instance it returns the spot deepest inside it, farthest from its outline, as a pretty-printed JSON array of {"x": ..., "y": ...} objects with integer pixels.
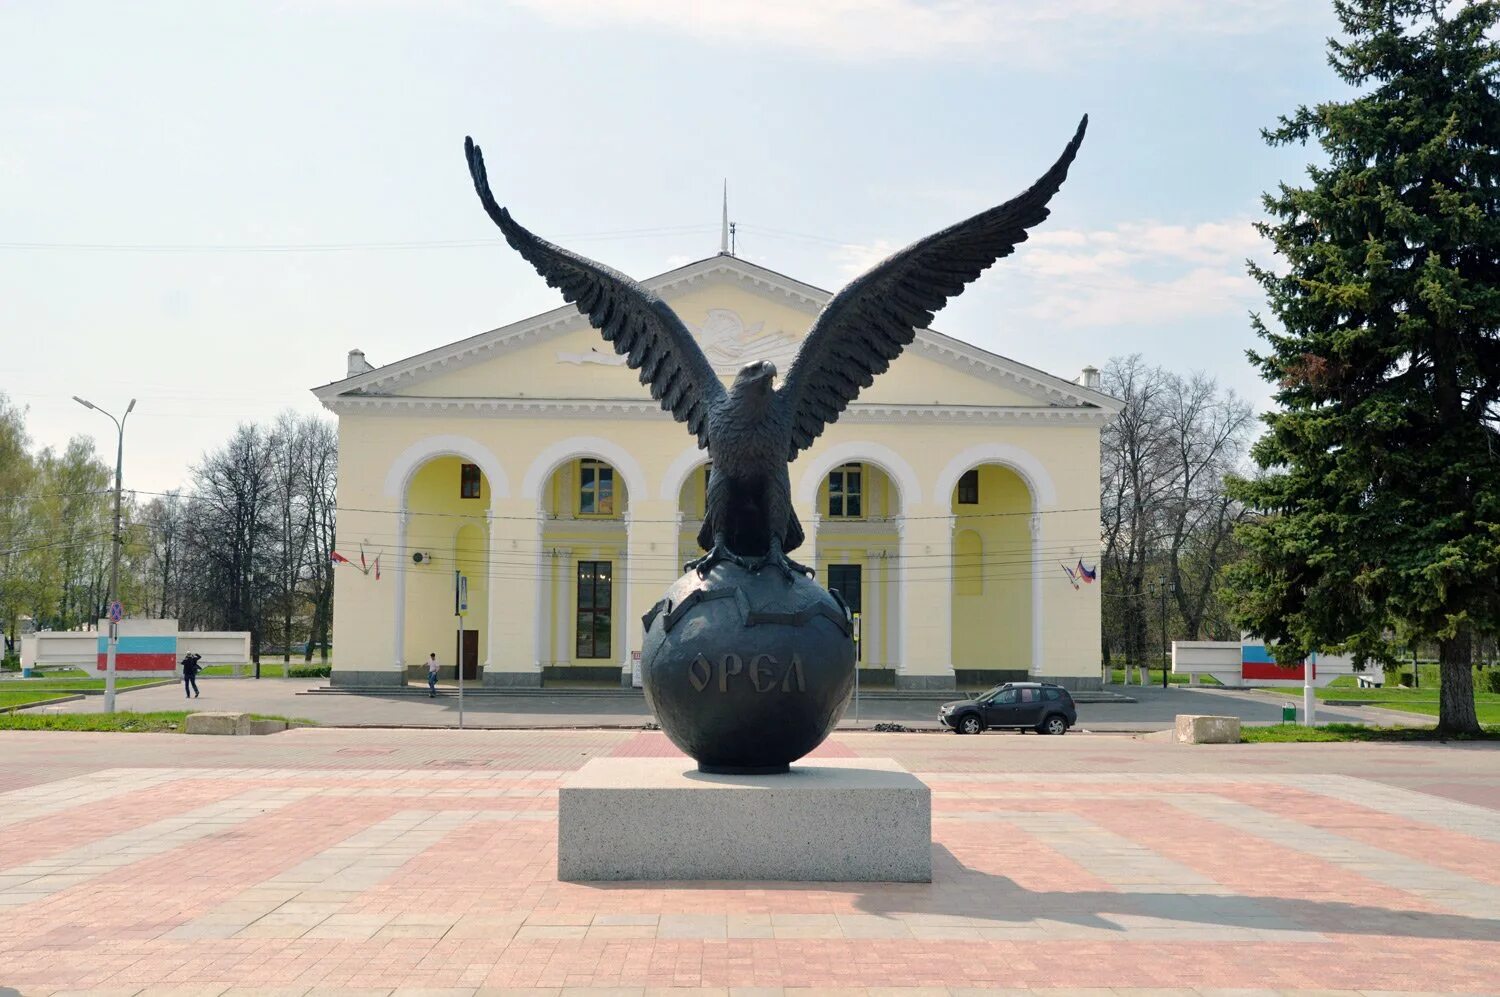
[{"x": 836, "y": 820}]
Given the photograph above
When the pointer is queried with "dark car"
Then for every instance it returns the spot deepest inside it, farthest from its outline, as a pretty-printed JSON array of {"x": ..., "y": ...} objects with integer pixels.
[{"x": 1041, "y": 706}]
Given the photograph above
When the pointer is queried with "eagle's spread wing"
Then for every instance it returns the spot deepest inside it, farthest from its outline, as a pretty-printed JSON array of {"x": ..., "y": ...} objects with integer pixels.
[
  {"x": 870, "y": 321},
  {"x": 641, "y": 327}
]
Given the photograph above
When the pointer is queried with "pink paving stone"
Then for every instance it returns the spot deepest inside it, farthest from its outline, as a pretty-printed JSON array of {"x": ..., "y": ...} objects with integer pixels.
[
  {"x": 505, "y": 867},
  {"x": 1461, "y": 853},
  {"x": 1252, "y": 865}
]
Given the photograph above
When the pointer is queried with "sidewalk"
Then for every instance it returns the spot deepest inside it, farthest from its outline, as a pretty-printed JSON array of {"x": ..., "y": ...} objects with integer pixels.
[{"x": 1155, "y": 708}]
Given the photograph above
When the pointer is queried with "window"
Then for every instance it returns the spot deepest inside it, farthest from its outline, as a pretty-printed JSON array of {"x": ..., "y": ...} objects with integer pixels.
[
  {"x": 844, "y": 492},
  {"x": 1050, "y": 695},
  {"x": 468, "y": 481},
  {"x": 1029, "y": 696},
  {"x": 1006, "y": 698},
  {"x": 845, "y": 578},
  {"x": 594, "y": 616},
  {"x": 596, "y": 489},
  {"x": 968, "y": 488}
]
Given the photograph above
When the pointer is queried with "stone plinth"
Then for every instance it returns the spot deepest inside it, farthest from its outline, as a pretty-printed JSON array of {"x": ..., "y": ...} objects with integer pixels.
[
  {"x": 838, "y": 820},
  {"x": 1192, "y": 729},
  {"x": 218, "y": 723},
  {"x": 231, "y": 723}
]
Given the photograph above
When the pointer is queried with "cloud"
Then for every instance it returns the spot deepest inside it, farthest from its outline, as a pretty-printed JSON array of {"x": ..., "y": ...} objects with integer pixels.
[
  {"x": 1140, "y": 272},
  {"x": 921, "y": 29},
  {"x": 854, "y": 259}
]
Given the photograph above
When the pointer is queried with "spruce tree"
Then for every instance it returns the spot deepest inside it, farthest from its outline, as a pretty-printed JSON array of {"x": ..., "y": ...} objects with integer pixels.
[{"x": 1380, "y": 487}]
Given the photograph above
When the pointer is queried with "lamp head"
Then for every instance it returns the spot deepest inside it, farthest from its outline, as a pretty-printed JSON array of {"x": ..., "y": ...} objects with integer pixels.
[
  {"x": 83, "y": 401},
  {"x": 129, "y": 408}
]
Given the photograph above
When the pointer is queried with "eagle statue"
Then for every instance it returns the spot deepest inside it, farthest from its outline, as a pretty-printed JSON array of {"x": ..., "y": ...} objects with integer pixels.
[{"x": 753, "y": 430}]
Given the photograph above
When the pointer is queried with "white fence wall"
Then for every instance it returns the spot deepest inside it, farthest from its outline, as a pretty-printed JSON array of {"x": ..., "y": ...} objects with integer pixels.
[
  {"x": 1223, "y": 659},
  {"x": 80, "y": 648}
]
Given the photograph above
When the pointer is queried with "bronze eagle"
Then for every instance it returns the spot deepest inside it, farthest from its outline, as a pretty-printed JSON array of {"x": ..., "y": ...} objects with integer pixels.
[{"x": 752, "y": 432}]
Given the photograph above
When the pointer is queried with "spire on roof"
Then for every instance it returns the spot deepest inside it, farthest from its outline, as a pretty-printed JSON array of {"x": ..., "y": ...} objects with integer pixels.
[{"x": 724, "y": 224}]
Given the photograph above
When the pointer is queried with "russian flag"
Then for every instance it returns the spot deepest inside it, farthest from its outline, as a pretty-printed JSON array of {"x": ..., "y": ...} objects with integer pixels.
[{"x": 154, "y": 653}]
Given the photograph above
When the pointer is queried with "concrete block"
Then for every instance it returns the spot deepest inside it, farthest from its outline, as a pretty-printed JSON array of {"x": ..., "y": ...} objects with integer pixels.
[
  {"x": 267, "y": 726},
  {"x": 1194, "y": 729},
  {"x": 651, "y": 819},
  {"x": 218, "y": 723}
]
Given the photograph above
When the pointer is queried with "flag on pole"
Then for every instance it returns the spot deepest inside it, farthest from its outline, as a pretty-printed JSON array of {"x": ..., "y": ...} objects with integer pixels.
[
  {"x": 338, "y": 558},
  {"x": 377, "y": 567},
  {"x": 1072, "y": 576},
  {"x": 1087, "y": 574}
]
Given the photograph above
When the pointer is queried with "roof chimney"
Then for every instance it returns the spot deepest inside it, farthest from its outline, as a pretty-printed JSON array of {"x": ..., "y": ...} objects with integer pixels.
[
  {"x": 357, "y": 363},
  {"x": 1090, "y": 378}
]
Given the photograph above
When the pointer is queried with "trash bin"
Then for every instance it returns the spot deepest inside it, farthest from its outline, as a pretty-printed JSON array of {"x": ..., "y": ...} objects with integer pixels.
[{"x": 1288, "y": 714}]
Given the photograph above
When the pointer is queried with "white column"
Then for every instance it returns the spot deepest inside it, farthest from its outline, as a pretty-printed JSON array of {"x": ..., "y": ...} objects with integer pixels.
[
  {"x": 629, "y": 566},
  {"x": 539, "y": 615},
  {"x": 1036, "y": 594},
  {"x": 492, "y": 571},
  {"x": 398, "y": 612},
  {"x": 564, "y": 567},
  {"x": 810, "y": 541}
]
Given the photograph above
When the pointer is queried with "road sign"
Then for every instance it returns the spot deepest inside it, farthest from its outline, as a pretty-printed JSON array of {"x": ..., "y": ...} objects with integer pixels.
[
  {"x": 460, "y": 594},
  {"x": 116, "y": 612}
]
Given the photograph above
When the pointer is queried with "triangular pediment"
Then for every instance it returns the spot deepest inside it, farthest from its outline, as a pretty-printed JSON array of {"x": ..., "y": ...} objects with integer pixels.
[{"x": 739, "y": 312}]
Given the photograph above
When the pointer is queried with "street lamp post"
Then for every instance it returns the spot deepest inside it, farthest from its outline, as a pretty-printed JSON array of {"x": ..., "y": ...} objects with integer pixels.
[{"x": 114, "y": 567}]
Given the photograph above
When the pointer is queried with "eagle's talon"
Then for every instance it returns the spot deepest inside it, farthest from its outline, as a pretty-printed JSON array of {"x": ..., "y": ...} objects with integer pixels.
[
  {"x": 791, "y": 569},
  {"x": 717, "y": 553}
]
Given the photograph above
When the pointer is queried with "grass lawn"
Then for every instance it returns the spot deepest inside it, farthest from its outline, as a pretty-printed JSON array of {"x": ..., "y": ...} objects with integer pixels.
[
  {"x": 268, "y": 669},
  {"x": 1423, "y": 701},
  {"x": 19, "y": 692},
  {"x": 166, "y": 722},
  {"x": 1117, "y": 676},
  {"x": 1289, "y": 734}
]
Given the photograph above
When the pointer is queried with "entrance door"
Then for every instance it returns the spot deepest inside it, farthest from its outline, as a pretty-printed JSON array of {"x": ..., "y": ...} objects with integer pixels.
[
  {"x": 468, "y": 655},
  {"x": 845, "y": 579}
]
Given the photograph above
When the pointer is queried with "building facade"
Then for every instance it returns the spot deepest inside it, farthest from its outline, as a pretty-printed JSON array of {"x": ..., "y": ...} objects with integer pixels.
[{"x": 951, "y": 504}]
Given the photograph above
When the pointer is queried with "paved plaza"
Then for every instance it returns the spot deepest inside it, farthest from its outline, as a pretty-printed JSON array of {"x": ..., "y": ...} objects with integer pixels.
[{"x": 405, "y": 861}]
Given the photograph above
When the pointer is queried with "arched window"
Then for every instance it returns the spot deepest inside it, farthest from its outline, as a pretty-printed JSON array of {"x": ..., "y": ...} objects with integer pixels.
[{"x": 596, "y": 488}]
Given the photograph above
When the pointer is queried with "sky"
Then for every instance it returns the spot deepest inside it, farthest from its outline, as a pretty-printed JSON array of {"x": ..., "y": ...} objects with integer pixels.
[{"x": 206, "y": 206}]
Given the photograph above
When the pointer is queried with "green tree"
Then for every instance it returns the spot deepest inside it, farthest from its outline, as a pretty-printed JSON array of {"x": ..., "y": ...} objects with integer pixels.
[
  {"x": 18, "y": 535},
  {"x": 1379, "y": 500}
]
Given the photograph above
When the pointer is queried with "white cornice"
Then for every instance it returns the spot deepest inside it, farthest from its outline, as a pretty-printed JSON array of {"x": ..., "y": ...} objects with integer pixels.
[
  {"x": 629, "y": 408},
  {"x": 404, "y": 374}
]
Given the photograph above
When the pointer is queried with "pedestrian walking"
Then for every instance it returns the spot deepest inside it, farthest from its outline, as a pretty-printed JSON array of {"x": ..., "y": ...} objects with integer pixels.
[
  {"x": 190, "y": 671},
  {"x": 432, "y": 673}
]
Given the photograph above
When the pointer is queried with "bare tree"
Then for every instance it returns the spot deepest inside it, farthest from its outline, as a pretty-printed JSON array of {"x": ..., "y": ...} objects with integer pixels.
[
  {"x": 1209, "y": 430},
  {"x": 1136, "y": 471}
]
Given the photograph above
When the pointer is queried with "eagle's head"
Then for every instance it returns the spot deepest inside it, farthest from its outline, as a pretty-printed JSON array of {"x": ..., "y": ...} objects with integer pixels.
[{"x": 756, "y": 376}]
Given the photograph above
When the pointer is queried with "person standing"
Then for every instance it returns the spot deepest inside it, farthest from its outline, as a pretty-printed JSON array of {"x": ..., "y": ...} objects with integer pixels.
[
  {"x": 432, "y": 674},
  {"x": 190, "y": 671}
]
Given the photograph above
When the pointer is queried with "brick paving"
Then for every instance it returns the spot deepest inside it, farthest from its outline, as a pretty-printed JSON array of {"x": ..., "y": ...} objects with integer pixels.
[{"x": 406, "y": 862}]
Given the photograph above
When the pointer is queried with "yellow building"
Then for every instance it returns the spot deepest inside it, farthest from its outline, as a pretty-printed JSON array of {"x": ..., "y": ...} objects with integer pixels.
[{"x": 944, "y": 504}]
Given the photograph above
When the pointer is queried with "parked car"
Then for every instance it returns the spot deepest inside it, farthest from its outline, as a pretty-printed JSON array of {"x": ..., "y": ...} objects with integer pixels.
[{"x": 1041, "y": 706}]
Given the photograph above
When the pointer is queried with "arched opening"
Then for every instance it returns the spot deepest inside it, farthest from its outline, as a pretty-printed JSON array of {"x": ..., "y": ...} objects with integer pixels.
[
  {"x": 584, "y": 502},
  {"x": 993, "y": 565},
  {"x": 446, "y": 532},
  {"x": 857, "y": 540},
  {"x": 692, "y": 500}
]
